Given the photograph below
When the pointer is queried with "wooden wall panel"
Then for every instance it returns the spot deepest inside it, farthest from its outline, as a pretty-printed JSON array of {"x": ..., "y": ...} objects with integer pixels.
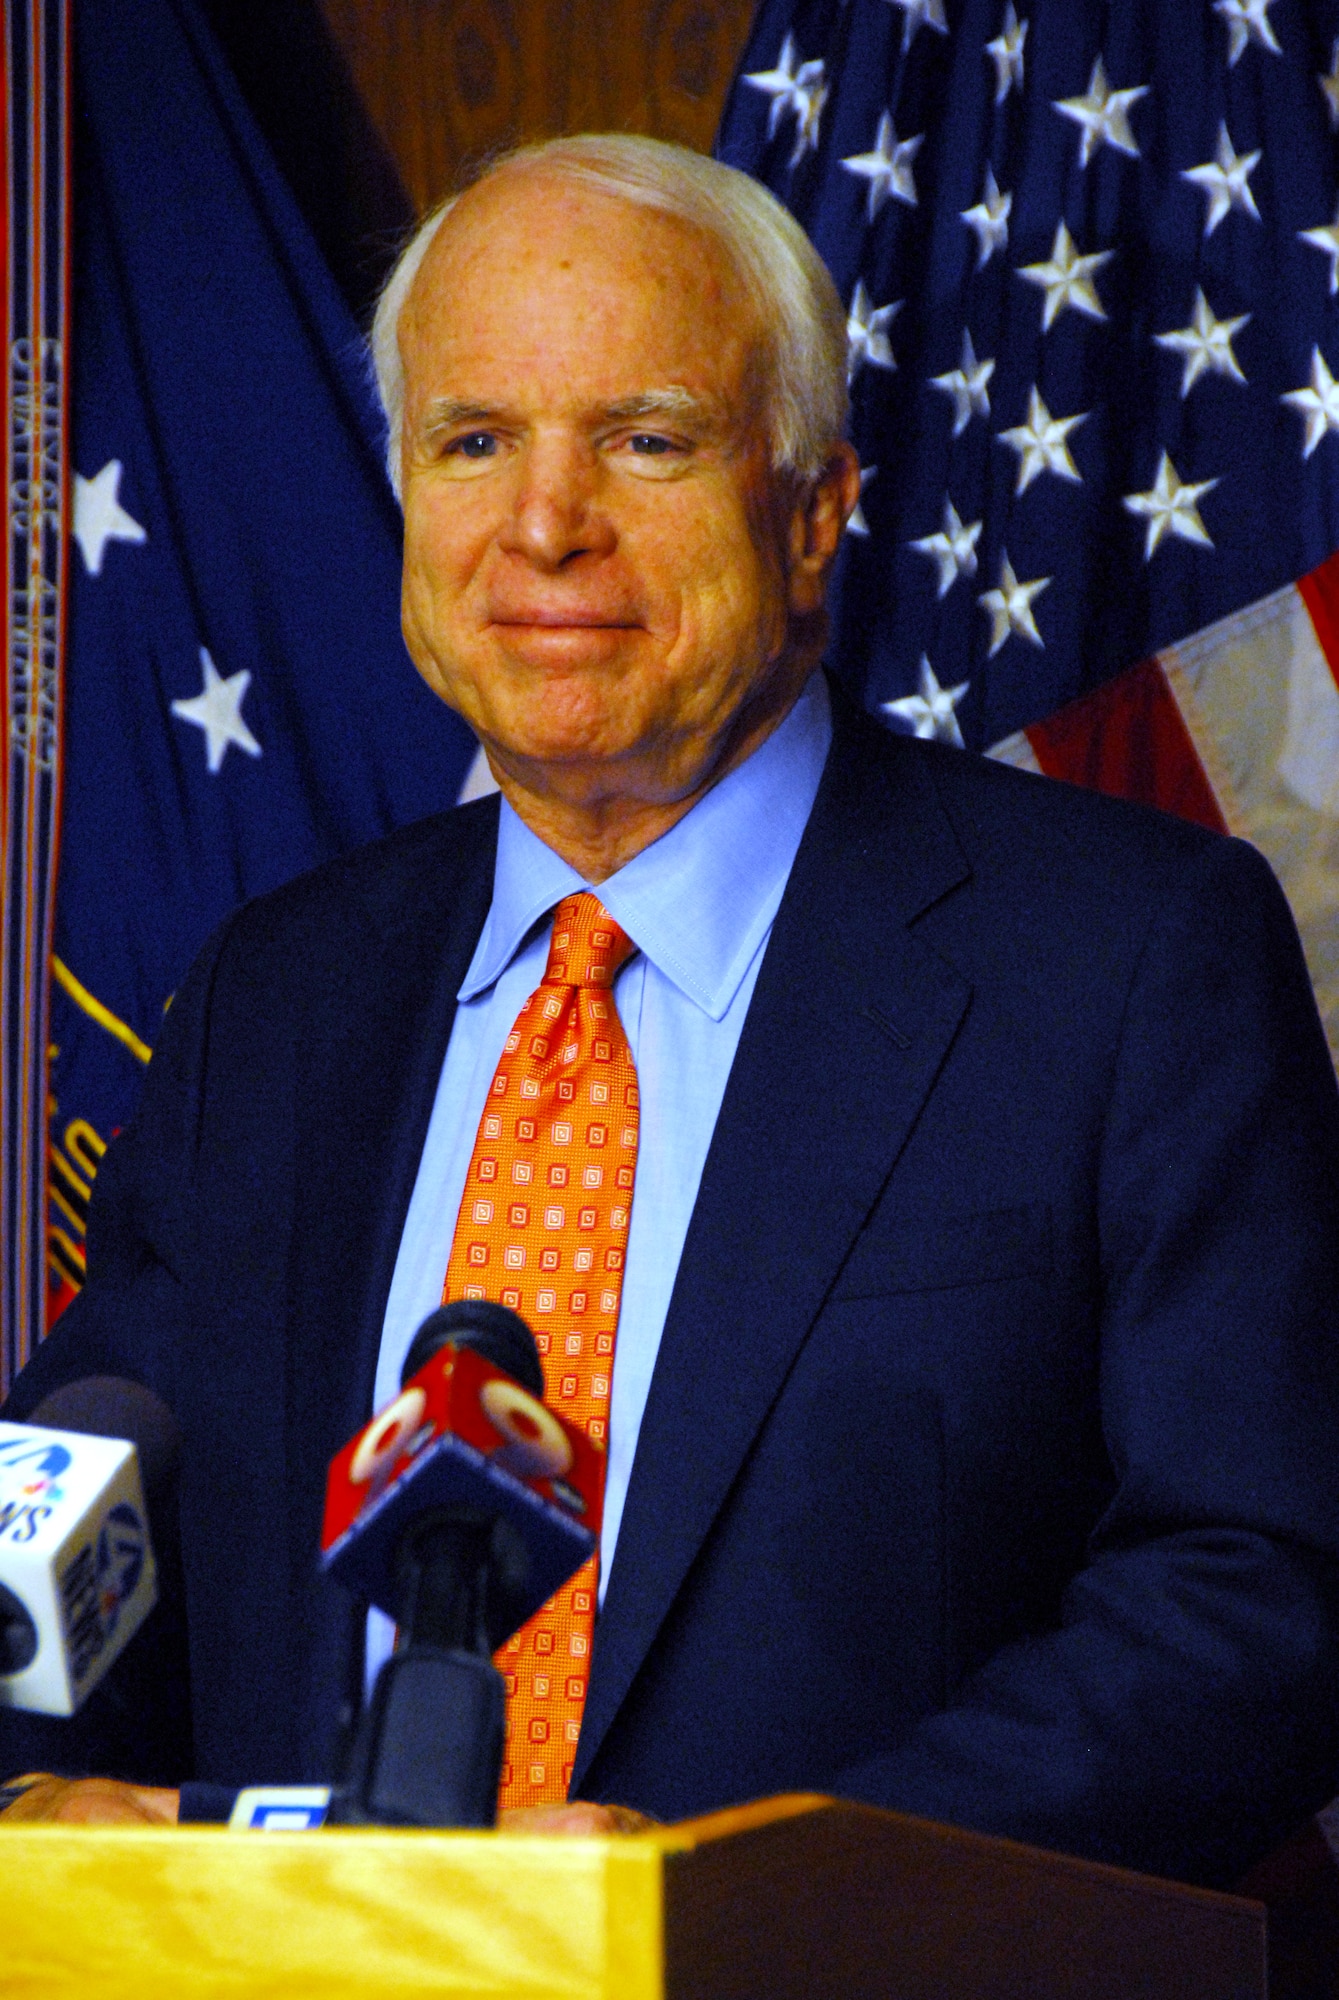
[{"x": 447, "y": 81}]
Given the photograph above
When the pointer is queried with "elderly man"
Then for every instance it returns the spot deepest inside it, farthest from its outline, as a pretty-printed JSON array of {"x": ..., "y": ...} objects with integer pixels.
[{"x": 949, "y": 1261}]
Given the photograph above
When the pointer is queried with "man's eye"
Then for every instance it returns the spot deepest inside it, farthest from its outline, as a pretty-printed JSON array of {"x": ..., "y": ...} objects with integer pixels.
[
  {"x": 649, "y": 445},
  {"x": 475, "y": 444}
]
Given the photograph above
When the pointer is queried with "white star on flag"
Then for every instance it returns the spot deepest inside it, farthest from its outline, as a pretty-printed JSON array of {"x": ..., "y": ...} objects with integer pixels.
[
  {"x": 1010, "y": 607},
  {"x": 1169, "y": 508},
  {"x": 1247, "y": 21},
  {"x": 967, "y": 385},
  {"x": 888, "y": 167},
  {"x": 920, "y": 14},
  {"x": 1103, "y": 115},
  {"x": 1330, "y": 87},
  {"x": 801, "y": 91},
  {"x": 1226, "y": 182},
  {"x": 100, "y": 518},
  {"x": 1067, "y": 279},
  {"x": 856, "y": 524},
  {"x": 809, "y": 101},
  {"x": 1205, "y": 345},
  {"x": 866, "y": 339},
  {"x": 990, "y": 220},
  {"x": 1327, "y": 241},
  {"x": 1040, "y": 443},
  {"x": 1319, "y": 404},
  {"x": 953, "y": 548},
  {"x": 217, "y": 709},
  {"x": 931, "y": 712},
  {"x": 1006, "y": 51}
]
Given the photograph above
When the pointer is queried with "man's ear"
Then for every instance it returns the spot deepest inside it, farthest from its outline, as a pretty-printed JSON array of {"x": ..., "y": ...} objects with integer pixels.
[{"x": 818, "y": 516}]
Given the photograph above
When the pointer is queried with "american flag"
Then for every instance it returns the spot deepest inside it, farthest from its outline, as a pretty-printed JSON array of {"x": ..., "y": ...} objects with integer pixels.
[{"x": 1090, "y": 258}]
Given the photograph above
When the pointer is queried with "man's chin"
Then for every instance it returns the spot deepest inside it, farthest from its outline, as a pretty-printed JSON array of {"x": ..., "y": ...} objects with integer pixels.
[
  {"x": 542, "y": 759},
  {"x": 567, "y": 717},
  {"x": 590, "y": 760}
]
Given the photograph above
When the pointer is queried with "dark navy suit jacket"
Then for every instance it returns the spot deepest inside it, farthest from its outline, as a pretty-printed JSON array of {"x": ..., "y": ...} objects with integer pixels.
[{"x": 989, "y": 1470}]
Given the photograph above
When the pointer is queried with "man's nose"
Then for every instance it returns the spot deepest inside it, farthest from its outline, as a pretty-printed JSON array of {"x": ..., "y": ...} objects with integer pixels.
[{"x": 556, "y": 512}]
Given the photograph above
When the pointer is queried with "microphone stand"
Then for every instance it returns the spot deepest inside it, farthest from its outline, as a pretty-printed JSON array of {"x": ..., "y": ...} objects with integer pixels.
[{"x": 428, "y": 1751}]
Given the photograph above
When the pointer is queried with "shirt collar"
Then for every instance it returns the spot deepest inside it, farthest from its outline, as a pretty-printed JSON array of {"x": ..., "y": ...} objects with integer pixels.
[{"x": 700, "y": 900}]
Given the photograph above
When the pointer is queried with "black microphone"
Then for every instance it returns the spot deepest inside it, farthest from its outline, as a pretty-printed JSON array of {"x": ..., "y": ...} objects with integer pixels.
[
  {"x": 492, "y": 1330},
  {"x": 113, "y": 1406},
  {"x": 428, "y": 1751}
]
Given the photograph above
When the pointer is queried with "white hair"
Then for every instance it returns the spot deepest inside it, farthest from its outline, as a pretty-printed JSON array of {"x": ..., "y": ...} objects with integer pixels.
[{"x": 781, "y": 273}]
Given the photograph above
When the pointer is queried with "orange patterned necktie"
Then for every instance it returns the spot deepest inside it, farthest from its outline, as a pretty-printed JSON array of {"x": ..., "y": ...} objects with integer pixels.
[{"x": 543, "y": 1227}]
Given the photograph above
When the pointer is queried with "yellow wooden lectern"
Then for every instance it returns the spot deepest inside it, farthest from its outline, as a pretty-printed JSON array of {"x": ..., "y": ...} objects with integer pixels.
[{"x": 797, "y": 1896}]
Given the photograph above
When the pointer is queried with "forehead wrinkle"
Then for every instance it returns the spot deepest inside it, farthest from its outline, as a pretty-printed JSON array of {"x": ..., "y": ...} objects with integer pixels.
[{"x": 503, "y": 220}]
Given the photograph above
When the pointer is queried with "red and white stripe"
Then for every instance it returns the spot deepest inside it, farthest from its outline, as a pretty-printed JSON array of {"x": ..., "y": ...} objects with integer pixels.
[{"x": 1236, "y": 728}]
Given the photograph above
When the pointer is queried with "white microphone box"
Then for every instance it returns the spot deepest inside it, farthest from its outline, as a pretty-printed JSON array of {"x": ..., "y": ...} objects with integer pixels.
[{"x": 75, "y": 1553}]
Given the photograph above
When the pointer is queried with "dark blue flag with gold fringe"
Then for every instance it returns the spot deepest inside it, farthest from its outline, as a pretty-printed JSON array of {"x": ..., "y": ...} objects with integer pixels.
[{"x": 238, "y": 702}]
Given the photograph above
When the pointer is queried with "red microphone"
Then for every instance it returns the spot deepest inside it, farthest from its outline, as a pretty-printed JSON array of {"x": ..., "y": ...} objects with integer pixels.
[
  {"x": 463, "y": 1433},
  {"x": 459, "y": 1509}
]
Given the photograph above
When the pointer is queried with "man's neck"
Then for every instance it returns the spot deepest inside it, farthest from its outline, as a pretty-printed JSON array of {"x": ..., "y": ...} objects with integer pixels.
[{"x": 598, "y": 827}]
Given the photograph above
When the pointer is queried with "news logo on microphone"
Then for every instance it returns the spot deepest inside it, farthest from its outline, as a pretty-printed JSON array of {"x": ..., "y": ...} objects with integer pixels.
[{"x": 77, "y": 1574}]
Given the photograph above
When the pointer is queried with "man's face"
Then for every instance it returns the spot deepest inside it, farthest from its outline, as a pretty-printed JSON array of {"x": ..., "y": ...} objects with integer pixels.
[{"x": 601, "y": 569}]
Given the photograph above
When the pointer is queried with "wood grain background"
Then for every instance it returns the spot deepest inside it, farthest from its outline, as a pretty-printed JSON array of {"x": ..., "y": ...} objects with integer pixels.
[{"x": 445, "y": 82}]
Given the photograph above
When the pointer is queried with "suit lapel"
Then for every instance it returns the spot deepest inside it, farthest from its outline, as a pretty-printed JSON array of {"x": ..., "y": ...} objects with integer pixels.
[
  {"x": 398, "y": 962},
  {"x": 850, "y": 1021}
]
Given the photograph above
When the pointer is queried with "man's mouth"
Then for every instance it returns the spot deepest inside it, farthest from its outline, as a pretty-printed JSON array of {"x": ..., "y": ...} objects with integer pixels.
[{"x": 550, "y": 620}]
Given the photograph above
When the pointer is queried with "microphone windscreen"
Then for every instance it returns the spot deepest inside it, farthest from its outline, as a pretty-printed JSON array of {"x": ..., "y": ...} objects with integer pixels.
[
  {"x": 18, "y": 1634},
  {"x": 114, "y": 1407},
  {"x": 492, "y": 1330}
]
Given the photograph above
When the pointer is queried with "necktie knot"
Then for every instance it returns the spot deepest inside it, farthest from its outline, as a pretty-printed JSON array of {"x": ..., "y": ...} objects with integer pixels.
[{"x": 587, "y": 947}]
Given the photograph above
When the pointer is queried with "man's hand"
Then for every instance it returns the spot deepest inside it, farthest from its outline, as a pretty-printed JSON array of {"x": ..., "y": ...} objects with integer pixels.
[
  {"x": 108, "y": 1802},
  {"x": 581, "y": 1816},
  {"x": 89, "y": 1802}
]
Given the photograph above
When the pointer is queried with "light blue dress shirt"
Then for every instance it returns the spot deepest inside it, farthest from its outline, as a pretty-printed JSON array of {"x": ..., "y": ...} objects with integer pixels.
[{"x": 699, "y": 904}]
